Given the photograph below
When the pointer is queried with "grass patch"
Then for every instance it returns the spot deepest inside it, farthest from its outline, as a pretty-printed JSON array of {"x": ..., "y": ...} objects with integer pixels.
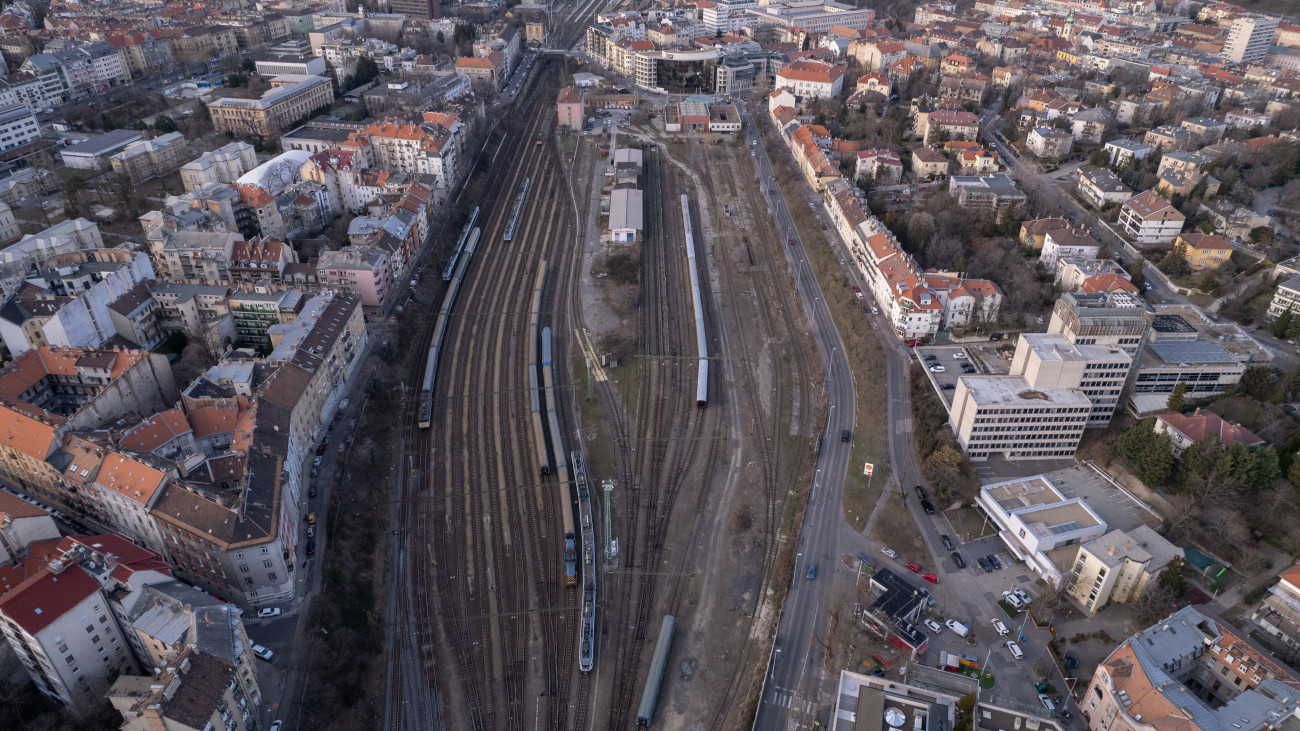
[
  {"x": 987, "y": 681},
  {"x": 1006, "y": 607}
]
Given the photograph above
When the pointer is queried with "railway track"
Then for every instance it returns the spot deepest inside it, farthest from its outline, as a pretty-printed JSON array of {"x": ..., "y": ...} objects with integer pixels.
[
  {"x": 670, "y": 426},
  {"x": 473, "y": 503},
  {"x": 767, "y": 284}
]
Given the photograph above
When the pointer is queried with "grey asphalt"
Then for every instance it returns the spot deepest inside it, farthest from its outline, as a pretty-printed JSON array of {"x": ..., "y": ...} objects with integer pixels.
[{"x": 797, "y": 693}]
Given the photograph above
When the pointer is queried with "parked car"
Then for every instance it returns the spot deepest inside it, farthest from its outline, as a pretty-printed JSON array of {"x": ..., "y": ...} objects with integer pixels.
[
  {"x": 961, "y": 629},
  {"x": 1016, "y": 652},
  {"x": 311, "y": 548},
  {"x": 984, "y": 564},
  {"x": 996, "y": 563},
  {"x": 315, "y": 462},
  {"x": 1012, "y": 599},
  {"x": 311, "y": 518},
  {"x": 946, "y": 387},
  {"x": 1024, "y": 597},
  {"x": 1000, "y": 627},
  {"x": 913, "y": 567},
  {"x": 933, "y": 626},
  {"x": 930, "y": 578},
  {"x": 947, "y": 542},
  {"x": 937, "y": 369},
  {"x": 928, "y": 507},
  {"x": 932, "y": 356},
  {"x": 889, "y": 552},
  {"x": 957, "y": 559},
  {"x": 311, "y": 531},
  {"x": 920, "y": 492},
  {"x": 812, "y": 571},
  {"x": 311, "y": 491},
  {"x": 265, "y": 612},
  {"x": 320, "y": 449},
  {"x": 263, "y": 652}
]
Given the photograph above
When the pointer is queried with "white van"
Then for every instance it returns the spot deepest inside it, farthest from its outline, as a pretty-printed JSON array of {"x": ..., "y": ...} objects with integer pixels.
[
  {"x": 1015, "y": 650},
  {"x": 1001, "y": 628},
  {"x": 960, "y": 629}
]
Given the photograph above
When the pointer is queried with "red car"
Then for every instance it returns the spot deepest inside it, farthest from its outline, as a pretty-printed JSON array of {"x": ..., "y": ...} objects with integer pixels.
[
  {"x": 792, "y": 241},
  {"x": 930, "y": 578},
  {"x": 915, "y": 567},
  {"x": 855, "y": 289},
  {"x": 320, "y": 449},
  {"x": 914, "y": 343}
]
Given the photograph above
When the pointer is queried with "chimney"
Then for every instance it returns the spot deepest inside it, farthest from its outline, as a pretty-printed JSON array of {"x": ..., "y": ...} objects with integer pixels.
[{"x": 1112, "y": 550}]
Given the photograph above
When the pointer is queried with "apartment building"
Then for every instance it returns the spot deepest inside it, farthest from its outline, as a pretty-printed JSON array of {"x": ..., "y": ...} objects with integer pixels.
[
  {"x": 1191, "y": 670},
  {"x": 226, "y": 164},
  {"x": 120, "y": 496},
  {"x": 365, "y": 271},
  {"x": 146, "y": 159},
  {"x": 1149, "y": 219},
  {"x": 949, "y": 123},
  {"x": 1049, "y": 142},
  {"x": 196, "y": 691},
  {"x": 1248, "y": 39},
  {"x": 1101, "y": 187},
  {"x": 812, "y": 79},
  {"x": 1286, "y": 299},
  {"x": 199, "y": 44},
  {"x": 143, "y": 54},
  {"x": 1124, "y": 152},
  {"x": 61, "y": 621},
  {"x": 18, "y": 126},
  {"x": 21, "y": 525},
  {"x": 74, "y": 307},
  {"x": 986, "y": 192},
  {"x": 194, "y": 257},
  {"x": 1118, "y": 567},
  {"x": 1278, "y": 613},
  {"x": 290, "y": 99},
  {"x": 1070, "y": 242},
  {"x": 240, "y": 544},
  {"x": 433, "y": 147}
]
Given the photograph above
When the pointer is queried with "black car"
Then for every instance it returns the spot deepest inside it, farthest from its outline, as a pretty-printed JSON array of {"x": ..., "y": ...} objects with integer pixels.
[
  {"x": 932, "y": 357},
  {"x": 996, "y": 563},
  {"x": 928, "y": 507},
  {"x": 984, "y": 564},
  {"x": 920, "y": 492},
  {"x": 946, "y": 387},
  {"x": 947, "y": 542},
  {"x": 311, "y": 491},
  {"x": 957, "y": 559},
  {"x": 968, "y": 369}
]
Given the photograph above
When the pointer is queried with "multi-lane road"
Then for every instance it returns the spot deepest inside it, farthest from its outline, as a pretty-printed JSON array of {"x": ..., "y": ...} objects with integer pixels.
[{"x": 796, "y": 670}]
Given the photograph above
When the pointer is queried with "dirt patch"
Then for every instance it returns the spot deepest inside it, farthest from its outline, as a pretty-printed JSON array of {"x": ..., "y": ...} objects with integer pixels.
[{"x": 908, "y": 544}]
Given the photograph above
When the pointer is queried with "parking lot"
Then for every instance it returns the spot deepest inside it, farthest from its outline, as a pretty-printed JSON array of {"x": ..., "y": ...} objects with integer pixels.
[{"x": 946, "y": 363}]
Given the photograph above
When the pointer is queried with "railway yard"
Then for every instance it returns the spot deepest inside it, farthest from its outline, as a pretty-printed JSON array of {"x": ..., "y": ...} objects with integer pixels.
[{"x": 504, "y": 611}]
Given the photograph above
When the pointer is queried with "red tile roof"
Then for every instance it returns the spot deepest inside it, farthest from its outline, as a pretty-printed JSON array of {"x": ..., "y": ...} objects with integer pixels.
[
  {"x": 1198, "y": 425},
  {"x": 45, "y": 597}
]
